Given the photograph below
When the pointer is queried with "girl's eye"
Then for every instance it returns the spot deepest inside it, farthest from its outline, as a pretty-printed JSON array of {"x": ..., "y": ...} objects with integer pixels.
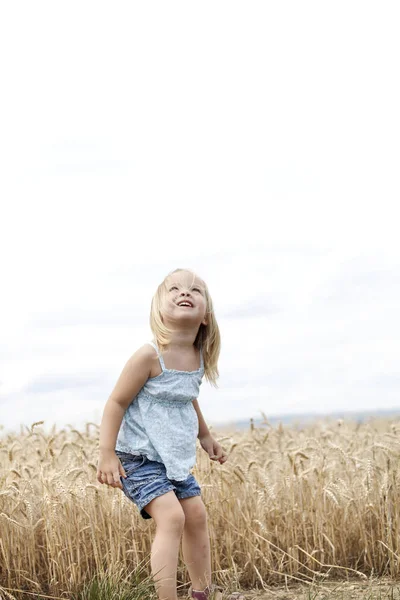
[{"x": 175, "y": 288}]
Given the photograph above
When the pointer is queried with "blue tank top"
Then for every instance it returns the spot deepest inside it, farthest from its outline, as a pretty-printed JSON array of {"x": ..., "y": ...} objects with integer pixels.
[{"x": 161, "y": 421}]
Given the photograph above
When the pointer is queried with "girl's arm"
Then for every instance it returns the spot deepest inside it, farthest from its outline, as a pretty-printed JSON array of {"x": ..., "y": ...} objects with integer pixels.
[
  {"x": 203, "y": 429},
  {"x": 207, "y": 442},
  {"x": 133, "y": 377}
]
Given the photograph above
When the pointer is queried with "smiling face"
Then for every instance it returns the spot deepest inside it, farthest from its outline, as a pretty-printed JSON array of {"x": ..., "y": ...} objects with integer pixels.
[{"x": 184, "y": 287}]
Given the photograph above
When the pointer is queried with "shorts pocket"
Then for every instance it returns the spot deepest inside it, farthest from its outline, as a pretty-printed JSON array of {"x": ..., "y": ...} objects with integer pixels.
[
  {"x": 131, "y": 462},
  {"x": 149, "y": 472}
]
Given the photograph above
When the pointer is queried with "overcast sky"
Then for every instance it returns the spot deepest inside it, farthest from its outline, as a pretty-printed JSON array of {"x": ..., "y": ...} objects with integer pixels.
[{"x": 256, "y": 143}]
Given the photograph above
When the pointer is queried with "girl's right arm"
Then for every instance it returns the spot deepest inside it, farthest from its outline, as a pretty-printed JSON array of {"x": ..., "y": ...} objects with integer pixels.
[{"x": 133, "y": 377}]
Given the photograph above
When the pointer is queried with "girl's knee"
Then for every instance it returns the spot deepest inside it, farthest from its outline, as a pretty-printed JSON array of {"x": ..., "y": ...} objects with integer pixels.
[
  {"x": 167, "y": 512},
  {"x": 195, "y": 513}
]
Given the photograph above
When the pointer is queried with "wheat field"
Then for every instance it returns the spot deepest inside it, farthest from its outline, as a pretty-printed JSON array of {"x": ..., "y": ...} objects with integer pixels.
[{"x": 295, "y": 504}]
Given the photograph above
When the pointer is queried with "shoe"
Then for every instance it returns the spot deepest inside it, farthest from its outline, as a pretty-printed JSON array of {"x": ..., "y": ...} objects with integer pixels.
[{"x": 212, "y": 593}]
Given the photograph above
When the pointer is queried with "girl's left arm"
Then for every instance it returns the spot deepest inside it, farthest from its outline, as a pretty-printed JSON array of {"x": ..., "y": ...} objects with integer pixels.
[
  {"x": 203, "y": 429},
  {"x": 207, "y": 441}
]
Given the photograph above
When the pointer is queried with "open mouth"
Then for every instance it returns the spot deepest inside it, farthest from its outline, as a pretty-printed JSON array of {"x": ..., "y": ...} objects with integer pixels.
[{"x": 185, "y": 303}]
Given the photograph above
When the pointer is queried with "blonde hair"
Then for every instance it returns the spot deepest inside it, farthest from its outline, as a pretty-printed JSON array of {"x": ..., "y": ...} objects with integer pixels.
[{"x": 208, "y": 338}]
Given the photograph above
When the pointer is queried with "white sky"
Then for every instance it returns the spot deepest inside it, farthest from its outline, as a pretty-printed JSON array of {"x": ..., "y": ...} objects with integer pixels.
[{"x": 254, "y": 142}]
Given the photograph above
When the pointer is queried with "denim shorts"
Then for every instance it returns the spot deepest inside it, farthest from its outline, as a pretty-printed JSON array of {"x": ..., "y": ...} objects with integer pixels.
[{"x": 147, "y": 479}]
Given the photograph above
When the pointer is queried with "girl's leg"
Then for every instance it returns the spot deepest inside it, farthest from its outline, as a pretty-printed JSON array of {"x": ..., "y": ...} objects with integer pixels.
[
  {"x": 196, "y": 543},
  {"x": 170, "y": 520}
]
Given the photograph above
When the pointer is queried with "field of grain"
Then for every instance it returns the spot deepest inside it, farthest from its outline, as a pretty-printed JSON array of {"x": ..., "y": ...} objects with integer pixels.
[{"x": 293, "y": 506}]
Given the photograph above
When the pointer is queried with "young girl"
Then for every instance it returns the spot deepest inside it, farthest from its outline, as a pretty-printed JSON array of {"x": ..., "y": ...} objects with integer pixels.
[{"x": 150, "y": 425}]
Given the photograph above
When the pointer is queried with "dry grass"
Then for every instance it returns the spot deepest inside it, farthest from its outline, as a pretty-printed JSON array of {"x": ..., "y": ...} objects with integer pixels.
[{"x": 291, "y": 505}]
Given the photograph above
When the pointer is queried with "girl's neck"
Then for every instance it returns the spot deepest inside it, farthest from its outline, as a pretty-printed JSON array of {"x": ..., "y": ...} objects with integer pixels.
[{"x": 181, "y": 340}]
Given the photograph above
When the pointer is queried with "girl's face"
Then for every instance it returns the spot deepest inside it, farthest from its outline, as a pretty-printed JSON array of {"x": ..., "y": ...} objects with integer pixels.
[{"x": 185, "y": 298}]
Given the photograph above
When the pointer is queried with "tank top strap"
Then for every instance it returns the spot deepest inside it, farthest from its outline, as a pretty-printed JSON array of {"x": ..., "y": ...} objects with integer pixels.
[{"x": 160, "y": 358}]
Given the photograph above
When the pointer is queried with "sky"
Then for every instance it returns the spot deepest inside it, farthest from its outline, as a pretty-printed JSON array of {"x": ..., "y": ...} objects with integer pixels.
[{"x": 256, "y": 143}]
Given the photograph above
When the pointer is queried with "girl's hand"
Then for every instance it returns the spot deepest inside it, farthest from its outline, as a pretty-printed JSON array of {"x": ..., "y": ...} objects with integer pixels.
[
  {"x": 213, "y": 448},
  {"x": 110, "y": 469}
]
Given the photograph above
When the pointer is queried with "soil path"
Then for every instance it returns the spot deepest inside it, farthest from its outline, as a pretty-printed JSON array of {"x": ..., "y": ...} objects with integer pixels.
[{"x": 377, "y": 589}]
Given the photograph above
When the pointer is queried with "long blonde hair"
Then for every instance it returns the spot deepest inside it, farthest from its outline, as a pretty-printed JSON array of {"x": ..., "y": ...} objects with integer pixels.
[{"x": 208, "y": 338}]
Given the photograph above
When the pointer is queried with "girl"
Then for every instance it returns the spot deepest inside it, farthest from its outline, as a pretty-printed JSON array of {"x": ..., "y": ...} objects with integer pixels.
[{"x": 150, "y": 425}]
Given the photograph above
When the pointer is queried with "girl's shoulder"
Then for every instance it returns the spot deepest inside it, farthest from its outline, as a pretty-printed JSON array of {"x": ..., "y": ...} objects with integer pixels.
[
  {"x": 147, "y": 349},
  {"x": 146, "y": 355},
  {"x": 151, "y": 349},
  {"x": 135, "y": 373}
]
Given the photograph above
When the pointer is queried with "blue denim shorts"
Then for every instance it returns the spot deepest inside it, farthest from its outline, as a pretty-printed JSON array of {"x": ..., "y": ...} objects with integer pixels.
[{"x": 147, "y": 479}]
